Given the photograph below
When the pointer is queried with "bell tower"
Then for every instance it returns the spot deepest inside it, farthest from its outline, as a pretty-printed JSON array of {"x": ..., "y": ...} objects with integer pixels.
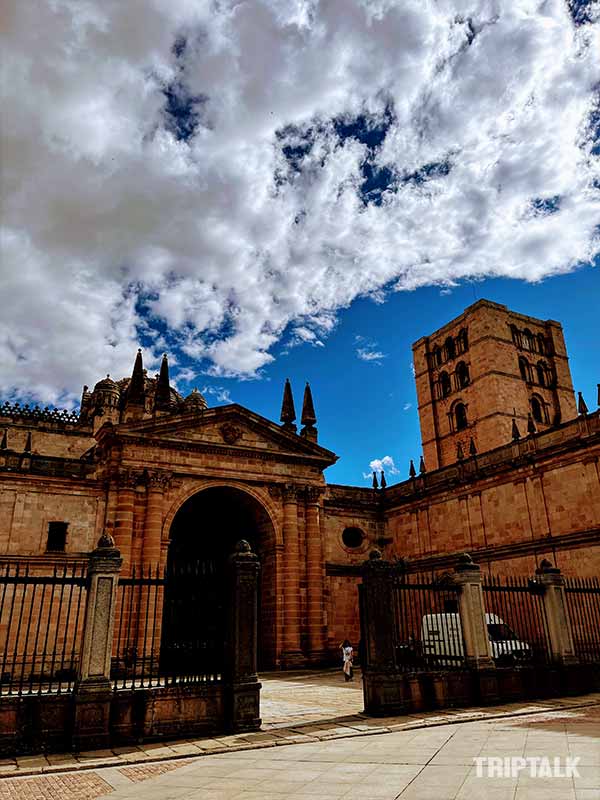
[{"x": 483, "y": 369}]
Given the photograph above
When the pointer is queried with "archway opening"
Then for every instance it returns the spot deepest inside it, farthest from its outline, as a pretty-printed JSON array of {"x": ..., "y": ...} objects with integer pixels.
[{"x": 203, "y": 535}]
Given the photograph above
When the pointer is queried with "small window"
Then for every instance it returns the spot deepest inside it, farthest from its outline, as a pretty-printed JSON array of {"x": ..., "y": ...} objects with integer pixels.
[
  {"x": 352, "y": 538},
  {"x": 541, "y": 373},
  {"x": 460, "y": 416},
  {"x": 524, "y": 368},
  {"x": 462, "y": 340},
  {"x": 528, "y": 340},
  {"x": 445, "y": 385},
  {"x": 462, "y": 375},
  {"x": 57, "y": 537},
  {"x": 437, "y": 356},
  {"x": 536, "y": 410},
  {"x": 450, "y": 347}
]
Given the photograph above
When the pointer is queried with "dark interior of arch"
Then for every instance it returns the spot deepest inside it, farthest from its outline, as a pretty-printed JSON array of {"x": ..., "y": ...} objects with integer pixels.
[{"x": 203, "y": 535}]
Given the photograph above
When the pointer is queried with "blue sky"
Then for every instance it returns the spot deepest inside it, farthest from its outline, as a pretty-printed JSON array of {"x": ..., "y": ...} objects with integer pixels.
[{"x": 361, "y": 405}]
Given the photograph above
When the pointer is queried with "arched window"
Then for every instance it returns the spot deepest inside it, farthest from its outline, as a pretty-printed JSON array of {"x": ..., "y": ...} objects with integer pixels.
[
  {"x": 462, "y": 340},
  {"x": 527, "y": 340},
  {"x": 450, "y": 347},
  {"x": 542, "y": 373},
  {"x": 524, "y": 368},
  {"x": 541, "y": 344},
  {"x": 516, "y": 335},
  {"x": 445, "y": 385},
  {"x": 437, "y": 355},
  {"x": 537, "y": 410},
  {"x": 462, "y": 375},
  {"x": 460, "y": 416}
]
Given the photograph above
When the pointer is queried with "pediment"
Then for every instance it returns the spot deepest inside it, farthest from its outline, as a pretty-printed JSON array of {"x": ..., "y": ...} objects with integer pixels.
[{"x": 230, "y": 427}]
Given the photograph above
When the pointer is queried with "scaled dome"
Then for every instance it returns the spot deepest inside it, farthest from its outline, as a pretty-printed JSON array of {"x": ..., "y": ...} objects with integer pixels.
[{"x": 194, "y": 401}]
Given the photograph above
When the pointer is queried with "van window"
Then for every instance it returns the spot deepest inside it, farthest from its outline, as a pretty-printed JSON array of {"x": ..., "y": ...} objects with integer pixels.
[{"x": 500, "y": 632}]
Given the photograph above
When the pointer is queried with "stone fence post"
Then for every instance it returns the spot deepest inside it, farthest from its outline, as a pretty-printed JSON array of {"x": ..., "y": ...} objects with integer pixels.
[
  {"x": 476, "y": 642},
  {"x": 93, "y": 689},
  {"x": 560, "y": 636},
  {"x": 384, "y": 691},
  {"x": 242, "y": 689},
  {"x": 471, "y": 608}
]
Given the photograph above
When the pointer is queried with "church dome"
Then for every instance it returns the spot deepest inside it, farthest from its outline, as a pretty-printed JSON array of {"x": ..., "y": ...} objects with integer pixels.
[
  {"x": 194, "y": 401},
  {"x": 106, "y": 386}
]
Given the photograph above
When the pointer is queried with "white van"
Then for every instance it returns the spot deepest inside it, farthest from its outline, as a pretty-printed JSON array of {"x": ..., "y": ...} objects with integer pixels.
[{"x": 442, "y": 642}]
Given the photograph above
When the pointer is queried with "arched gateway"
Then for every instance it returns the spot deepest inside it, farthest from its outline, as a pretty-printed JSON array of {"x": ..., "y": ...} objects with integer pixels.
[{"x": 203, "y": 535}]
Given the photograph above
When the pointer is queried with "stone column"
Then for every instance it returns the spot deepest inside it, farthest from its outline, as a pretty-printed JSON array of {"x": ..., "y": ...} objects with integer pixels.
[
  {"x": 476, "y": 642},
  {"x": 314, "y": 575},
  {"x": 93, "y": 689},
  {"x": 156, "y": 483},
  {"x": 242, "y": 700},
  {"x": 559, "y": 625},
  {"x": 292, "y": 655},
  {"x": 123, "y": 530}
]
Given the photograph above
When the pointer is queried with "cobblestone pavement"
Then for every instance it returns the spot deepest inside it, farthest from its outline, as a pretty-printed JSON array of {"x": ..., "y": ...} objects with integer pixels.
[{"x": 310, "y": 708}]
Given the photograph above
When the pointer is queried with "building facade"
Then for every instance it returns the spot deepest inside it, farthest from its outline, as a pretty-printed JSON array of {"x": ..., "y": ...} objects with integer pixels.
[{"x": 510, "y": 473}]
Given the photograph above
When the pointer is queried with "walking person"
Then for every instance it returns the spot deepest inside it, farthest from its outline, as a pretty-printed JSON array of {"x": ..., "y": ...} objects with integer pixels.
[{"x": 348, "y": 658}]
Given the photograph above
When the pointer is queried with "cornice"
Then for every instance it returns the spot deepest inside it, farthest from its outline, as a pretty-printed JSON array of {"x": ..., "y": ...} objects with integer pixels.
[{"x": 566, "y": 541}]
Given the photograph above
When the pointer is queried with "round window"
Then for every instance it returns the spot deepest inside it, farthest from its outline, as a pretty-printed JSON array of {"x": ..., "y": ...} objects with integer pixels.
[{"x": 353, "y": 537}]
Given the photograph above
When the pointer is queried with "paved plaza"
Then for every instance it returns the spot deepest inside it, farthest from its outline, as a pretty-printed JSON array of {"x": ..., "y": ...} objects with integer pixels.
[{"x": 316, "y": 745}]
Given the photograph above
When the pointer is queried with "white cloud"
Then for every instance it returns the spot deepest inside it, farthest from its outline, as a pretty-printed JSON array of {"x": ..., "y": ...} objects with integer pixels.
[
  {"x": 367, "y": 350},
  {"x": 112, "y": 225},
  {"x": 220, "y": 393},
  {"x": 406, "y": 406},
  {"x": 377, "y": 464}
]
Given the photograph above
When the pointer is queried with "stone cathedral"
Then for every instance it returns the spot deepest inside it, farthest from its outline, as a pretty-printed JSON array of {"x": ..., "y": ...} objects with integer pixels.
[{"x": 509, "y": 473}]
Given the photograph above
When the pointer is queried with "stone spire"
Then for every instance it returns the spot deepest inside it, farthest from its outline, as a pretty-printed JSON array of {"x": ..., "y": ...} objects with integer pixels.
[
  {"x": 581, "y": 405},
  {"x": 383, "y": 482},
  {"x": 459, "y": 452},
  {"x": 472, "y": 448},
  {"x": 309, "y": 417},
  {"x": 422, "y": 465},
  {"x": 288, "y": 412},
  {"x": 136, "y": 391},
  {"x": 530, "y": 424},
  {"x": 375, "y": 483},
  {"x": 515, "y": 431},
  {"x": 411, "y": 470},
  {"x": 162, "y": 397}
]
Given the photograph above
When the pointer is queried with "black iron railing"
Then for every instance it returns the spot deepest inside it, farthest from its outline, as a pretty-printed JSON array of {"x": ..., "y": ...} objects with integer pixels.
[
  {"x": 516, "y": 621},
  {"x": 427, "y": 625},
  {"x": 41, "y": 621},
  {"x": 583, "y": 604},
  {"x": 169, "y": 627}
]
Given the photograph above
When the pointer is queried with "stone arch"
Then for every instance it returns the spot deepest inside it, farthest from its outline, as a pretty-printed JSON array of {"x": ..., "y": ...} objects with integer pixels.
[
  {"x": 261, "y": 497},
  {"x": 202, "y": 526}
]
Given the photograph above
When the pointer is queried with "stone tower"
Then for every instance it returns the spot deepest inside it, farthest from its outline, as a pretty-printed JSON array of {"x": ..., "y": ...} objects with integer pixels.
[{"x": 483, "y": 369}]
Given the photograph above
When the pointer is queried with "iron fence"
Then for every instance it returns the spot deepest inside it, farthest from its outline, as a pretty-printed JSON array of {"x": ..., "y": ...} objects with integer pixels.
[
  {"x": 427, "y": 624},
  {"x": 583, "y": 604},
  {"x": 169, "y": 627},
  {"x": 516, "y": 621},
  {"x": 41, "y": 621}
]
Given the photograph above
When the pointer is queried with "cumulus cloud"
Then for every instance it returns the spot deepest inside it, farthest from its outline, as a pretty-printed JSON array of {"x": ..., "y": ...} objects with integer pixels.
[
  {"x": 377, "y": 464},
  {"x": 209, "y": 176}
]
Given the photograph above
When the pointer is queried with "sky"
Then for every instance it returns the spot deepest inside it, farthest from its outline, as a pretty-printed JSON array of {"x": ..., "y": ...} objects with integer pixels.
[{"x": 292, "y": 187}]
